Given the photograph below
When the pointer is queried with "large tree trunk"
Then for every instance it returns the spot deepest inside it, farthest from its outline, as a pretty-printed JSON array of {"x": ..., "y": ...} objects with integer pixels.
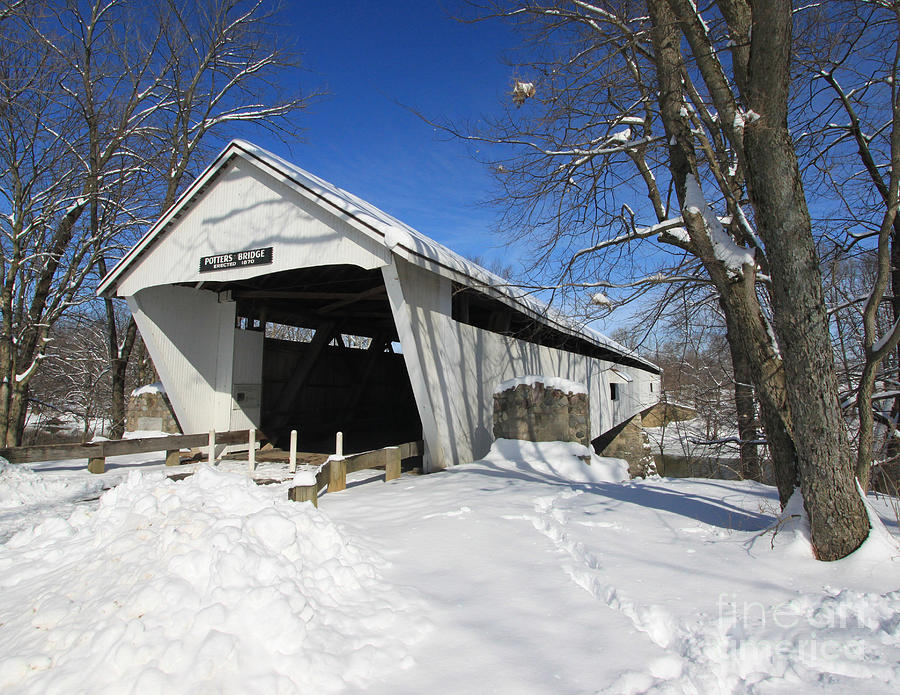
[
  {"x": 15, "y": 405},
  {"x": 837, "y": 516},
  {"x": 119, "y": 356},
  {"x": 745, "y": 407},
  {"x": 746, "y": 324},
  {"x": 117, "y": 404},
  {"x": 6, "y": 382},
  {"x": 7, "y": 434},
  {"x": 118, "y": 369},
  {"x": 892, "y": 448},
  {"x": 13, "y": 391}
]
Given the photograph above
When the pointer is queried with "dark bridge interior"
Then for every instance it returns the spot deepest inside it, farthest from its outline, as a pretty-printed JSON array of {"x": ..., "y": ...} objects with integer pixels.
[{"x": 328, "y": 359}]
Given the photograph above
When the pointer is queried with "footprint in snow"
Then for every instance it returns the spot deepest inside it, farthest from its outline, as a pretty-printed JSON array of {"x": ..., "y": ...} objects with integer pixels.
[
  {"x": 458, "y": 512},
  {"x": 600, "y": 524}
]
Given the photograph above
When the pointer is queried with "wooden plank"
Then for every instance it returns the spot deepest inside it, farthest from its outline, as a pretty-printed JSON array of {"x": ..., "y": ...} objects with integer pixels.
[
  {"x": 364, "y": 460},
  {"x": 411, "y": 449},
  {"x": 353, "y": 298},
  {"x": 238, "y": 437},
  {"x": 334, "y": 472},
  {"x": 288, "y": 294},
  {"x": 323, "y": 475},
  {"x": 281, "y": 456},
  {"x": 144, "y": 445},
  {"x": 122, "y": 447},
  {"x": 182, "y": 441},
  {"x": 379, "y": 458},
  {"x": 48, "y": 452}
]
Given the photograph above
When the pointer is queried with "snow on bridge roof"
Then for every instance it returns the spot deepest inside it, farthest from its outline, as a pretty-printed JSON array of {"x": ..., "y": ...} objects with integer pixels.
[{"x": 400, "y": 238}]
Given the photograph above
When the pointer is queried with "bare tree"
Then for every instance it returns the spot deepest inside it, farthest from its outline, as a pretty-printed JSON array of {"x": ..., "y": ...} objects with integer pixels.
[
  {"x": 221, "y": 73},
  {"x": 640, "y": 96},
  {"x": 74, "y": 376},
  {"x": 700, "y": 368},
  {"x": 849, "y": 51},
  {"x": 116, "y": 90},
  {"x": 46, "y": 255},
  {"x": 107, "y": 107},
  {"x": 594, "y": 160}
]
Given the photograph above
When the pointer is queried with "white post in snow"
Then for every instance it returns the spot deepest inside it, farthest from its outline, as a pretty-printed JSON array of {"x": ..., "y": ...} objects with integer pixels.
[
  {"x": 293, "y": 451},
  {"x": 212, "y": 447},
  {"x": 337, "y": 466},
  {"x": 251, "y": 455}
]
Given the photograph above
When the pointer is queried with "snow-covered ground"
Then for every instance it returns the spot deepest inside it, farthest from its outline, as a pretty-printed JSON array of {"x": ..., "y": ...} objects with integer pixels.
[
  {"x": 59, "y": 424},
  {"x": 527, "y": 572}
]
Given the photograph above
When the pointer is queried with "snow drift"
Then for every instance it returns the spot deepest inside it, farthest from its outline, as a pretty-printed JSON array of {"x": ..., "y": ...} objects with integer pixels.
[
  {"x": 20, "y": 486},
  {"x": 205, "y": 585},
  {"x": 556, "y": 460}
]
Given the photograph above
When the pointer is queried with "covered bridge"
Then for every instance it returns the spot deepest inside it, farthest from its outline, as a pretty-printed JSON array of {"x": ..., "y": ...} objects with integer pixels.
[{"x": 268, "y": 297}]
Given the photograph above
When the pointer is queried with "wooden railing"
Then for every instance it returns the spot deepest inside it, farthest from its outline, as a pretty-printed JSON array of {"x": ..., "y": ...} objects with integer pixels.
[
  {"x": 333, "y": 473},
  {"x": 97, "y": 452}
]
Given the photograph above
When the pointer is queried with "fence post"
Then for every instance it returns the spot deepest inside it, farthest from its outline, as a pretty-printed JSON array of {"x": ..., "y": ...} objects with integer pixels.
[
  {"x": 97, "y": 464},
  {"x": 337, "y": 477},
  {"x": 304, "y": 493},
  {"x": 392, "y": 469},
  {"x": 251, "y": 456},
  {"x": 294, "y": 451},
  {"x": 173, "y": 457},
  {"x": 212, "y": 447}
]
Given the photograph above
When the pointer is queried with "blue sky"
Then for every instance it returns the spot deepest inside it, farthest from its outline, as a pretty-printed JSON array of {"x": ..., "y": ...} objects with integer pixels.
[{"x": 376, "y": 60}]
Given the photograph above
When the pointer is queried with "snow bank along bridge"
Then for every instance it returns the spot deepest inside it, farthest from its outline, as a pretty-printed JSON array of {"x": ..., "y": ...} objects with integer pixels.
[{"x": 403, "y": 339}]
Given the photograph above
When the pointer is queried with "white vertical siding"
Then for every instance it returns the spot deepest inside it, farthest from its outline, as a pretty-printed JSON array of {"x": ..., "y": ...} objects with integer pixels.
[
  {"x": 455, "y": 369},
  {"x": 413, "y": 301},
  {"x": 248, "y": 209},
  {"x": 190, "y": 336},
  {"x": 247, "y": 372}
]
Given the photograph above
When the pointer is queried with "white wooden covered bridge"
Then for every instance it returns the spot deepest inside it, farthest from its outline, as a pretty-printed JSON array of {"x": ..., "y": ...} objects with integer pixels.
[{"x": 256, "y": 241}]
